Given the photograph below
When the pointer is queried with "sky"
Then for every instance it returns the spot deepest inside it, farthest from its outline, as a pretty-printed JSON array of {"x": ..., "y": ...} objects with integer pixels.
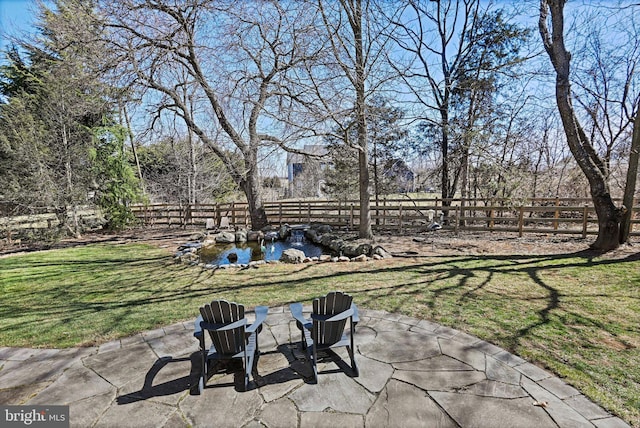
[{"x": 15, "y": 18}]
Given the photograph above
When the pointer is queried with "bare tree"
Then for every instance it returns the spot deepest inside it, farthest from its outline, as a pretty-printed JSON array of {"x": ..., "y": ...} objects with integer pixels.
[
  {"x": 232, "y": 57},
  {"x": 350, "y": 73},
  {"x": 581, "y": 144},
  {"x": 632, "y": 177},
  {"x": 453, "y": 50}
]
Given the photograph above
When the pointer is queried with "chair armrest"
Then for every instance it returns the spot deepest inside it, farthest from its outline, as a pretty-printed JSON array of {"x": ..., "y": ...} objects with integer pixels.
[
  {"x": 197, "y": 328},
  {"x": 261, "y": 315},
  {"x": 356, "y": 316},
  {"x": 337, "y": 317},
  {"x": 296, "y": 312},
  {"x": 223, "y": 326}
]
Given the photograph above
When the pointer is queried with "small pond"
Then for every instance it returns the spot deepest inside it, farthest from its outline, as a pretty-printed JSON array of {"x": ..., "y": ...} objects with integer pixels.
[{"x": 254, "y": 251}]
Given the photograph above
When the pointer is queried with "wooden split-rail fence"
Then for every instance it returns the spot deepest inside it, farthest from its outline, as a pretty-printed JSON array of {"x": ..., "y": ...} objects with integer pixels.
[{"x": 400, "y": 215}]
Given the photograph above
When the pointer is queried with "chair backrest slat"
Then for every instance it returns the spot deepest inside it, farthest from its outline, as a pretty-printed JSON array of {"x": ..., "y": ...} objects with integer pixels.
[
  {"x": 328, "y": 333},
  {"x": 222, "y": 312}
]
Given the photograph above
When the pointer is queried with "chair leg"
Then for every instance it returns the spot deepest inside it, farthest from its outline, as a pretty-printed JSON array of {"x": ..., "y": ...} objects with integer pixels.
[
  {"x": 248, "y": 362},
  {"x": 203, "y": 378},
  {"x": 354, "y": 366},
  {"x": 314, "y": 363},
  {"x": 351, "y": 349}
]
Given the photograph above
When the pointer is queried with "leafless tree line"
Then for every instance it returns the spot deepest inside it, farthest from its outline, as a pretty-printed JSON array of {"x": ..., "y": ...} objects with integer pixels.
[{"x": 248, "y": 80}]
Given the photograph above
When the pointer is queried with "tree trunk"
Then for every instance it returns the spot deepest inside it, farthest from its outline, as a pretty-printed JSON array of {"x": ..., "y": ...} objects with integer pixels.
[
  {"x": 193, "y": 167},
  {"x": 69, "y": 201},
  {"x": 464, "y": 181},
  {"x": 630, "y": 187},
  {"x": 253, "y": 190},
  {"x": 364, "y": 230},
  {"x": 133, "y": 148},
  {"x": 376, "y": 183},
  {"x": 256, "y": 211},
  {"x": 579, "y": 144},
  {"x": 444, "y": 114},
  {"x": 446, "y": 183}
]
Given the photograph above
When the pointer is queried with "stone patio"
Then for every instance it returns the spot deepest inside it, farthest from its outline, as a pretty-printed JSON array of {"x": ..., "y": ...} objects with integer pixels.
[{"x": 412, "y": 373}]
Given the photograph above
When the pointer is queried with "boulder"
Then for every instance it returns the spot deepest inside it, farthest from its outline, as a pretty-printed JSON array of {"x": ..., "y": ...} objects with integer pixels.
[
  {"x": 292, "y": 255},
  {"x": 197, "y": 236},
  {"x": 327, "y": 238},
  {"x": 209, "y": 240},
  {"x": 312, "y": 235},
  {"x": 333, "y": 242},
  {"x": 241, "y": 236},
  {"x": 271, "y": 236},
  {"x": 323, "y": 228},
  {"x": 354, "y": 249},
  {"x": 285, "y": 231},
  {"x": 382, "y": 253},
  {"x": 255, "y": 235},
  {"x": 336, "y": 245},
  {"x": 360, "y": 258},
  {"x": 225, "y": 238},
  {"x": 189, "y": 258}
]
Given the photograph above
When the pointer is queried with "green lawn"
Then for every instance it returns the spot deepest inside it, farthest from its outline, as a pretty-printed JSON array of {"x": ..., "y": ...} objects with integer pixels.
[{"x": 576, "y": 316}]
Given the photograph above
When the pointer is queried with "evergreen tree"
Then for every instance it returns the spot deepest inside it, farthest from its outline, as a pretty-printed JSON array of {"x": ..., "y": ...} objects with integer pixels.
[
  {"x": 116, "y": 184},
  {"x": 53, "y": 102}
]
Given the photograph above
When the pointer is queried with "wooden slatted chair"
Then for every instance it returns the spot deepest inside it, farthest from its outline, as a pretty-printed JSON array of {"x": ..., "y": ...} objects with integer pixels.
[
  {"x": 231, "y": 336},
  {"x": 326, "y": 327}
]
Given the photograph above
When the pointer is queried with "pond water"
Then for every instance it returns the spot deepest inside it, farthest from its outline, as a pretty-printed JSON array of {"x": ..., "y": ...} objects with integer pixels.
[{"x": 252, "y": 251}]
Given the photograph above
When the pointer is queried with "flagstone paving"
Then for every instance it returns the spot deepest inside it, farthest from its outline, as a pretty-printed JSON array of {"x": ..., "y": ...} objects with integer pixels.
[{"x": 412, "y": 374}]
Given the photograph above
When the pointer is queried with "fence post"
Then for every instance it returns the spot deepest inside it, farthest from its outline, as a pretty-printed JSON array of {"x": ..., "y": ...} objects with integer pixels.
[
  {"x": 492, "y": 216},
  {"x": 584, "y": 221},
  {"x": 233, "y": 215},
  {"x": 521, "y": 222},
  {"x": 556, "y": 215},
  {"x": 400, "y": 219},
  {"x": 280, "y": 212},
  {"x": 189, "y": 215},
  {"x": 384, "y": 212},
  {"x": 309, "y": 213},
  {"x": 351, "y": 218},
  {"x": 456, "y": 223}
]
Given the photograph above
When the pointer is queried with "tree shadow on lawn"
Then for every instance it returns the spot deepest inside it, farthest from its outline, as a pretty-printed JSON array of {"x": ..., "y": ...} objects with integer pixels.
[
  {"x": 195, "y": 285},
  {"x": 439, "y": 270}
]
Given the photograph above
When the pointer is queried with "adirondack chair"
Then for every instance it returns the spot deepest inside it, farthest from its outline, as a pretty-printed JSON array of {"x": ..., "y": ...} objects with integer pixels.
[
  {"x": 230, "y": 335},
  {"x": 326, "y": 327}
]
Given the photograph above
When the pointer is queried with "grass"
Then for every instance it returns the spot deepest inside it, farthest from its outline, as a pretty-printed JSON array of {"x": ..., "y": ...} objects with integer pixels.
[{"x": 575, "y": 315}]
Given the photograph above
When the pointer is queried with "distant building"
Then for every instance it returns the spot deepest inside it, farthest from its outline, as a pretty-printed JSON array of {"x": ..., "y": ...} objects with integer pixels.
[{"x": 305, "y": 172}]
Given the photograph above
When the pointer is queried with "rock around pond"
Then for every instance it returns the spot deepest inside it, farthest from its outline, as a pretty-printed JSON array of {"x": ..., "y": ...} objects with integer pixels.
[{"x": 288, "y": 244}]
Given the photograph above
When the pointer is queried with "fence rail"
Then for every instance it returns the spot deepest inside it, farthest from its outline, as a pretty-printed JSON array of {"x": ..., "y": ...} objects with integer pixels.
[{"x": 541, "y": 215}]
